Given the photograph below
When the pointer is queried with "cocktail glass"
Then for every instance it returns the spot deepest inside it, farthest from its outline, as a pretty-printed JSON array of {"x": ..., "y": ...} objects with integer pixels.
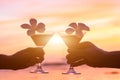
[
  {"x": 40, "y": 40},
  {"x": 70, "y": 41}
]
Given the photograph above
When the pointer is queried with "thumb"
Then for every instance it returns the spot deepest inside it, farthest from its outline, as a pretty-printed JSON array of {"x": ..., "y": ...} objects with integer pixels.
[{"x": 78, "y": 63}]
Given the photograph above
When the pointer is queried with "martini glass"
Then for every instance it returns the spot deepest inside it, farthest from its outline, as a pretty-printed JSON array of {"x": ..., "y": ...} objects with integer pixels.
[
  {"x": 71, "y": 41},
  {"x": 40, "y": 41}
]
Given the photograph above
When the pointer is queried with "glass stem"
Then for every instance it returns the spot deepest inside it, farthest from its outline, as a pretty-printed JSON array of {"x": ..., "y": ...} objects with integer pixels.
[{"x": 39, "y": 66}]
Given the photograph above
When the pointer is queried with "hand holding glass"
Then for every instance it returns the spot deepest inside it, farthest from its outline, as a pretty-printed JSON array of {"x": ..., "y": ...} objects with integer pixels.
[
  {"x": 71, "y": 41},
  {"x": 40, "y": 40}
]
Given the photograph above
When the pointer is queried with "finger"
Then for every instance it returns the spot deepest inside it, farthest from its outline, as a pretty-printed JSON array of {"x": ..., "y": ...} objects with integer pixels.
[
  {"x": 78, "y": 63},
  {"x": 74, "y": 51},
  {"x": 72, "y": 58},
  {"x": 39, "y": 59}
]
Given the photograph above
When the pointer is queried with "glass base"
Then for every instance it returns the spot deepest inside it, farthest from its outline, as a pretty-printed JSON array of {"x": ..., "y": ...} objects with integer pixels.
[
  {"x": 39, "y": 70},
  {"x": 71, "y": 71}
]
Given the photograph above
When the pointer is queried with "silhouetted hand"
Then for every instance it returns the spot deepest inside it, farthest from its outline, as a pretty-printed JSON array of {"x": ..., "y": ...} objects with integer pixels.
[
  {"x": 88, "y": 53},
  {"x": 22, "y": 59}
]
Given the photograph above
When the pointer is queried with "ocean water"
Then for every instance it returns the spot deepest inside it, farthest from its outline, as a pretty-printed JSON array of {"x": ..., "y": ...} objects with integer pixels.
[{"x": 87, "y": 73}]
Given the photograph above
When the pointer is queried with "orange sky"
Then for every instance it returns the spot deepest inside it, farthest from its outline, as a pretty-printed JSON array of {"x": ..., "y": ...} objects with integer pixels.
[{"x": 103, "y": 18}]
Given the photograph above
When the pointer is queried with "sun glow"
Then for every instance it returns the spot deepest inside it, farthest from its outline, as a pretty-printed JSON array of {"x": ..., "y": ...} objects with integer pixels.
[
  {"x": 56, "y": 44},
  {"x": 55, "y": 47},
  {"x": 56, "y": 39}
]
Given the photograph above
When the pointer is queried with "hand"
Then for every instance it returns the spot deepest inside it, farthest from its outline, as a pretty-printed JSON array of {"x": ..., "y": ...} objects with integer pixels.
[
  {"x": 74, "y": 58},
  {"x": 86, "y": 53},
  {"x": 22, "y": 59}
]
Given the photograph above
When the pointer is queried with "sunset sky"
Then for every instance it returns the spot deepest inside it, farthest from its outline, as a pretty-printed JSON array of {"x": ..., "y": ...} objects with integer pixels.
[{"x": 102, "y": 16}]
